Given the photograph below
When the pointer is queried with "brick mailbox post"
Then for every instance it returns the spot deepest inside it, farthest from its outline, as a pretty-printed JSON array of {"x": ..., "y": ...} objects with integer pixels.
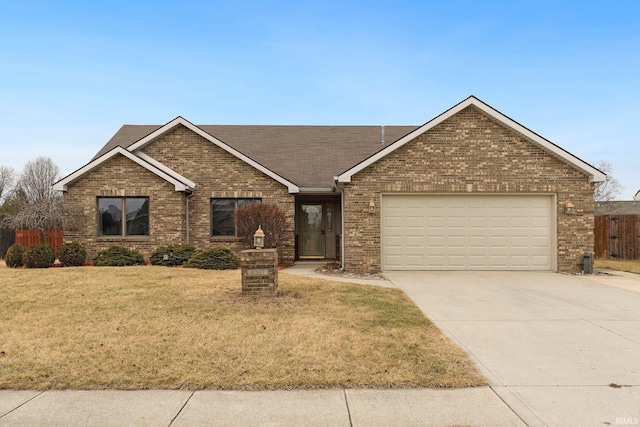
[{"x": 259, "y": 272}]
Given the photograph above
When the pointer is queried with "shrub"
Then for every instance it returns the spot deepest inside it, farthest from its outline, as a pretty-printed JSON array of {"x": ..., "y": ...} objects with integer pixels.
[
  {"x": 117, "y": 256},
  {"x": 214, "y": 258},
  {"x": 270, "y": 217},
  {"x": 13, "y": 257},
  {"x": 72, "y": 254},
  {"x": 38, "y": 256},
  {"x": 172, "y": 255}
]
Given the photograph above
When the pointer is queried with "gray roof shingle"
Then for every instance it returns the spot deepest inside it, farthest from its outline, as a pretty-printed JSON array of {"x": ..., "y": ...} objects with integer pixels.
[{"x": 309, "y": 156}]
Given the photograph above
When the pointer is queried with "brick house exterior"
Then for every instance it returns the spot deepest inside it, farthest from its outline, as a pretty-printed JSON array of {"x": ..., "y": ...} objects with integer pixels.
[{"x": 334, "y": 183}]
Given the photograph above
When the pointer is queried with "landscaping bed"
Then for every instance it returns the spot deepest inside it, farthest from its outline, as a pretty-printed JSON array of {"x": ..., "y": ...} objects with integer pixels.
[{"x": 162, "y": 328}]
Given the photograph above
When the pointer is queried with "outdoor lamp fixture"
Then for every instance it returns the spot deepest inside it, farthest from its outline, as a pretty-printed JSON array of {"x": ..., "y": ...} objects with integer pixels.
[
  {"x": 569, "y": 207},
  {"x": 372, "y": 206},
  {"x": 258, "y": 238}
]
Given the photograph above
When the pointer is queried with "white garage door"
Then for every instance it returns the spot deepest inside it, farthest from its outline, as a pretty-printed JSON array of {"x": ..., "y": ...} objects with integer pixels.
[{"x": 468, "y": 232}]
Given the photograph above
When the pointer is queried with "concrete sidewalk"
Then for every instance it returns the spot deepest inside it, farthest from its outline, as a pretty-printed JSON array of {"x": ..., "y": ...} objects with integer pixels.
[
  {"x": 308, "y": 269},
  {"x": 472, "y": 407}
]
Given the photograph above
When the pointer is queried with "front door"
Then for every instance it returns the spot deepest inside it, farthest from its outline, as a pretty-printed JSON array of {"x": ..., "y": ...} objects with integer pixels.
[{"x": 312, "y": 232}]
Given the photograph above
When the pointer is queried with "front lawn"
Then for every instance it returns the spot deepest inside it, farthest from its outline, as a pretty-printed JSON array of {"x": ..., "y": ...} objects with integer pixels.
[
  {"x": 629, "y": 265},
  {"x": 167, "y": 328}
]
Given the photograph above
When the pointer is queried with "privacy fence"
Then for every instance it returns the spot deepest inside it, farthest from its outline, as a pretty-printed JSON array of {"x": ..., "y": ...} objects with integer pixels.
[
  {"x": 55, "y": 238},
  {"x": 7, "y": 238},
  {"x": 617, "y": 236}
]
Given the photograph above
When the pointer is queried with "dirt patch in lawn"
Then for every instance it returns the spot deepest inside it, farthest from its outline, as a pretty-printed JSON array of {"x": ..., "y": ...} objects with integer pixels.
[{"x": 164, "y": 328}]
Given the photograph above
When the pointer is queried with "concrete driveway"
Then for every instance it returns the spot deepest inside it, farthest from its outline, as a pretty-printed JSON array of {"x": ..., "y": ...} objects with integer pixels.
[{"x": 558, "y": 349}]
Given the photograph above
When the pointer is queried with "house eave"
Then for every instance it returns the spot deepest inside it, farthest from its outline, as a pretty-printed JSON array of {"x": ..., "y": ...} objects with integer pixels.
[
  {"x": 593, "y": 173},
  {"x": 291, "y": 187},
  {"x": 63, "y": 184},
  {"x": 313, "y": 190}
]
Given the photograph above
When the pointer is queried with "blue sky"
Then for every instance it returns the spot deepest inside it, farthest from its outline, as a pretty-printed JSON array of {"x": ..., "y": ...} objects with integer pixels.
[{"x": 71, "y": 73}]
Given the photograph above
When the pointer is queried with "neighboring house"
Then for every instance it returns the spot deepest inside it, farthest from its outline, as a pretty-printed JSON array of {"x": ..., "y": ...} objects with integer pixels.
[
  {"x": 617, "y": 207},
  {"x": 637, "y": 196},
  {"x": 469, "y": 190}
]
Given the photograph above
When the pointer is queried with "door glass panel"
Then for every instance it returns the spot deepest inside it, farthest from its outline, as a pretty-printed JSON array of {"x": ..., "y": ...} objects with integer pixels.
[{"x": 312, "y": 244}]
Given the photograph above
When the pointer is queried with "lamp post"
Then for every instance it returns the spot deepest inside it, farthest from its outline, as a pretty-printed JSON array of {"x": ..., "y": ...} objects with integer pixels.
[{"x": 258, "y": 238}]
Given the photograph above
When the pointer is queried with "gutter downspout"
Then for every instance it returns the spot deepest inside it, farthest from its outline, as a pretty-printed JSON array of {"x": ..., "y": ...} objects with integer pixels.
[
  {"x": 343, "y": 232},
  {"x": 187, "y": 197}
]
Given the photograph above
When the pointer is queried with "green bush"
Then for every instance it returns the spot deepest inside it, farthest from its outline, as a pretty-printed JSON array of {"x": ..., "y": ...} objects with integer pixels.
[
  {"x": 172, "y": 255},
  {"x": 72, "y": 254},
  {"x": 13, "y": 257},
  {"x": 117, "y": 256},
  {"x": 214, "y": 258},
  {"x": 38, "y": 256}
]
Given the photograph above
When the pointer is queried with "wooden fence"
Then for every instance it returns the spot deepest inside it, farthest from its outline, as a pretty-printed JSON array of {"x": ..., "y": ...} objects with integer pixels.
[
  {"x": 25, "y": 238},
  {"x": 617, "y": 236},
  {"x": 7, "y": 238}
]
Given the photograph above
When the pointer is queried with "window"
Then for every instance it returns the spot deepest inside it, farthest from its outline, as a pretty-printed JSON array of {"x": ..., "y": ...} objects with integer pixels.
[
  {"x": 223, "y": 211},
  {"x": 133, "y": 212}
]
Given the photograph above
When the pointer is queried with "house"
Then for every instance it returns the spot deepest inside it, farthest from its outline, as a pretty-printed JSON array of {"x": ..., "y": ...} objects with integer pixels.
[
  {"x": 617, "y": 207},
  {"x": 470, "y": 189}
]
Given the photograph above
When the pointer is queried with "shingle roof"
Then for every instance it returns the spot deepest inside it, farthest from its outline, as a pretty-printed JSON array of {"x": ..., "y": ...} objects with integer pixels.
[
  {"x": 618, "y": 207},
  {"x": 309, "y": 156}
]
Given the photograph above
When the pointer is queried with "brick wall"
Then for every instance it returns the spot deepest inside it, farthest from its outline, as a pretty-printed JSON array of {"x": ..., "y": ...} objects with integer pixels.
[
  {"x": 217, "y": 174},
  {"x": 121, "y": 177},
  {"x": 468, "y": 148}
]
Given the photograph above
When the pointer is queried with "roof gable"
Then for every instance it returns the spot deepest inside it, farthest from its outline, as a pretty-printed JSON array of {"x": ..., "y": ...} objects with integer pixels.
[
  {"x": 594, "y": 174},
  {"x": 135, "y": 147},
  {"x": 180, "y": 183}
]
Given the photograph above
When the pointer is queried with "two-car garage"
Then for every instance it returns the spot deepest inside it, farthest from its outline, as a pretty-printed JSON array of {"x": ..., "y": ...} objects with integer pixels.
[{"x": 468, "y": 232}]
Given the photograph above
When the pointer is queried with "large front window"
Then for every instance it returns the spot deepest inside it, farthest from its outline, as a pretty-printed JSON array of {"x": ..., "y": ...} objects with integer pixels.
[
  {"x": 223, "y": 211},
  {"x": 123, "y": 216}
]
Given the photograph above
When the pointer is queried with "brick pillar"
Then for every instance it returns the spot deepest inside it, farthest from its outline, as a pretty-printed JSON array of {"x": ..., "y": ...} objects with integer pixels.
[{"x": 259, "y": 272}]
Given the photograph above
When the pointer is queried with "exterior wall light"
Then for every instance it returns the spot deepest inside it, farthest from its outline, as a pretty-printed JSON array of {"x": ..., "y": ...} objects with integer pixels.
[
  {"x": 569, "y": 207},
  {"x": 258, "y": 238},
  {"x": 372, "y": 206}
]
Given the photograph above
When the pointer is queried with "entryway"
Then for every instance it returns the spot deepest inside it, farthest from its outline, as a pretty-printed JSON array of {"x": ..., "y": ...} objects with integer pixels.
[{"x": 318, "y": 227}]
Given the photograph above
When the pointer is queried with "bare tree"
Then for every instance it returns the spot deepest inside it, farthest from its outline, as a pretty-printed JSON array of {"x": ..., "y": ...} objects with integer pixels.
[
  {"x": 37, "y": 178},
  {"x": 609, "y": 189},
  {"x": 37, "y": 205},
  {"x": 7, "y": 179}
]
